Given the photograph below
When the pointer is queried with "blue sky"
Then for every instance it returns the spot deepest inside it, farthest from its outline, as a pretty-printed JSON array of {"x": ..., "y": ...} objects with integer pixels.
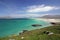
[{"x": 29, "y": 8}]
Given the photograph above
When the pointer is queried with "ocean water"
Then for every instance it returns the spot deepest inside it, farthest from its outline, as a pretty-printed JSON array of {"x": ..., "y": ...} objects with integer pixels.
[{"x": 15, "y": 26}]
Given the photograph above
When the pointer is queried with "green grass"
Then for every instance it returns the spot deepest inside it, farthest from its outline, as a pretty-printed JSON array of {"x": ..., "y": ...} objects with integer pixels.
[{"x": 38, "y": 34}]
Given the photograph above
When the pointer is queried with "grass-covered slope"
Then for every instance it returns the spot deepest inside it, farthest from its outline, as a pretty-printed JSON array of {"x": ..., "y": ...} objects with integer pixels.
[{"x": 38, "y": 34}]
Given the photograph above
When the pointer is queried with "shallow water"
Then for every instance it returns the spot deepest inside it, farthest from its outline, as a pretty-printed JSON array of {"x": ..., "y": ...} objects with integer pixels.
[{"x": 10, "y": 26}]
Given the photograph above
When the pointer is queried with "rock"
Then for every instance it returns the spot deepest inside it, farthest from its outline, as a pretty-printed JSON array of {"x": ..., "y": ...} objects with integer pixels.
[
  {"x": 53, "y": 23},
  {"x": 20, "y": 33},
  {"x": 25, "y": 31},
  {"x": 35, "y": 25},
  {"x": 44, "y": 32},
  {"x": 48, "y": 33}
]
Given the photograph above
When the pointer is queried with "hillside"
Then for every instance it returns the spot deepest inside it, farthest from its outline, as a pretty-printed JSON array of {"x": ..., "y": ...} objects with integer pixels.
[
  {"x": 38, "y": 34},
  {"x": 51, "y": 16}
]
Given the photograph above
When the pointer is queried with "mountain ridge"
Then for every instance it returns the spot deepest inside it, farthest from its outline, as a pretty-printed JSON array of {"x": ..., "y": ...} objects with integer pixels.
[{"x": 51, "y": 16}]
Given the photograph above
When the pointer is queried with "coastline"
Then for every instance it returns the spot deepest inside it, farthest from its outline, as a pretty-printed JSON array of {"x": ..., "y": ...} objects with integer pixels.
[
  {"x": 38, "y": 34},
  {"x": 48, "y": 20},
  {"x": 23, "y": 26},
  {"x": 38, "y": 19}
]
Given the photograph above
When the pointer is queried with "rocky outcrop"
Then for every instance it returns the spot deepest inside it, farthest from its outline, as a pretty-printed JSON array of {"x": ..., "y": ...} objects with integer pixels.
[{"x": 35, "y": 25}]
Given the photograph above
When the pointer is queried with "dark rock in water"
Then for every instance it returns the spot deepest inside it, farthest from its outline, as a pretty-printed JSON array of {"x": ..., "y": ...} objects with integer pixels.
[
  {"x": 20, "y": 33},
  {"x": 25, "y": 31},
  {"x": 53, "y": 23},
  {"x": 35, "y": 25}
]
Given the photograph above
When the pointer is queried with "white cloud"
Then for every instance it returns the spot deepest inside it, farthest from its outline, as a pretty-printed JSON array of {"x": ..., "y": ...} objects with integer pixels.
[
  {"x": 40, "y": 8},
  {"x": 33, "y": 9}
]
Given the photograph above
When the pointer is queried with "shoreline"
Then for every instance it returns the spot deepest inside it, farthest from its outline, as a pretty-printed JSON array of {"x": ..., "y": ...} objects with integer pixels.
[
  {"x": 38, "y": 33},
  {"x": 48, "y": 20},
  {"x": 27, "y": 30},
  {"x": 34, "y": 28},
  {"x": 41, "y": 27}
]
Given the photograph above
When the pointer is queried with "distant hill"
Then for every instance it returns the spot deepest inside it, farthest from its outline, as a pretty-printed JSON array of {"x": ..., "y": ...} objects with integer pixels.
[{"x": 51, "y": 16}]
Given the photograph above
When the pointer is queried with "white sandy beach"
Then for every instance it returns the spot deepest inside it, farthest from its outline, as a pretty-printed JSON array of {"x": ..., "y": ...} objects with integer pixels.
[{"x": 48, "y": 20}]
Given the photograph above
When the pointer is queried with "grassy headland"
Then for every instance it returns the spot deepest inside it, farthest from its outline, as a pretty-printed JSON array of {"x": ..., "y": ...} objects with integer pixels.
[{"x": 38, "y": 34}]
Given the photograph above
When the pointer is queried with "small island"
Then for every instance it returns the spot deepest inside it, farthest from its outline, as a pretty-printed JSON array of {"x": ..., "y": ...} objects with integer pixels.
[
  {"x": 53, "y": 23},
  {"x": 36, "y": 25}
]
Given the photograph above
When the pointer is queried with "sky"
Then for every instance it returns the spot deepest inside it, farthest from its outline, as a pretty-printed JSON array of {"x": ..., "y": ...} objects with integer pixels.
[{"x": 29, "y": 8}]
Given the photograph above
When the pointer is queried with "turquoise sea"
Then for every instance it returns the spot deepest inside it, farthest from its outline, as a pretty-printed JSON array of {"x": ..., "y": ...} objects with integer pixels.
[{"x": 15, "y": 26}]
